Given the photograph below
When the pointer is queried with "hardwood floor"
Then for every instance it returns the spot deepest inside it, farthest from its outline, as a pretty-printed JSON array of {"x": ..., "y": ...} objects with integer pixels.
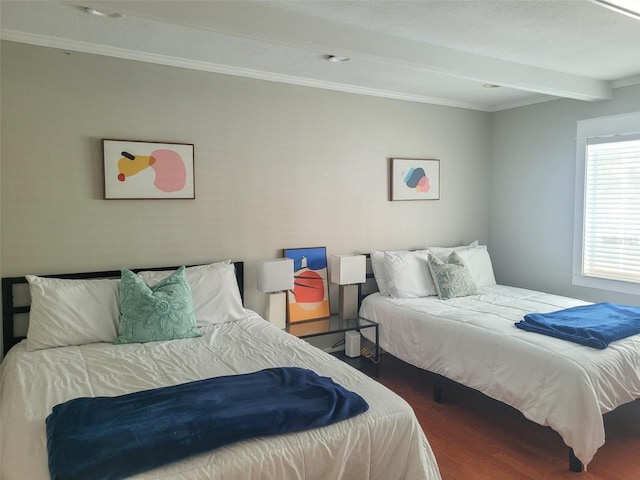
[{"x": 475, "y": 437}]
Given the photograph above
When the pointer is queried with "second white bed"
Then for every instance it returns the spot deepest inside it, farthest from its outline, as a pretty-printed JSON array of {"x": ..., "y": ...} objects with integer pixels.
[{"x": 473, "y": 341}]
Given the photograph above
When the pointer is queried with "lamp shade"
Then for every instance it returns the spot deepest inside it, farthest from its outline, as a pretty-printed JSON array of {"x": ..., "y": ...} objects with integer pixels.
[
  {"x": 348, "y": 269},
  {"x": 275, "y": 275}
]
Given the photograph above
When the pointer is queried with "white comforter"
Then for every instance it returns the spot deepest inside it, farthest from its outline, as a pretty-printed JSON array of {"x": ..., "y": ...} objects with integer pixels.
[
  {"x": 473, "y": 340},
  {"x": 384, "y": 443}
]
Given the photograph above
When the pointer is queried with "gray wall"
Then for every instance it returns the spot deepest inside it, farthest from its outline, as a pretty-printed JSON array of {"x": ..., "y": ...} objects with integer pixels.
[
  {"x": 533, "y": 193},
  {"x": 277, "y": 166}
]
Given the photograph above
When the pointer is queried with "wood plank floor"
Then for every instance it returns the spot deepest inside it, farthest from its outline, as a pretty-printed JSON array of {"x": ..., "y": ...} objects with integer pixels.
[{"x": 475, "y": 437}]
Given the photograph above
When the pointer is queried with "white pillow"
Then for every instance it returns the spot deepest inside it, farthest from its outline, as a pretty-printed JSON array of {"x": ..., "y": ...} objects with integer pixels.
[
  {"x": 476, "y": 258},
  {"x": 377, "y": 257},
  {"x": 408, "y": 274},
  {"x": 478, "y": 262},
  {"x": 444, "y": 252},
  {"x": 72, "y": 312},
  {"x": 214, "y": 288}
]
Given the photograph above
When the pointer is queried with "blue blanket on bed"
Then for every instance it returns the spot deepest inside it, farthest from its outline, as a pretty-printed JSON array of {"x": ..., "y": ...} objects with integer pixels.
[
  {"x": 595, "y": 325},
  {"x": 115, "y": 437}
]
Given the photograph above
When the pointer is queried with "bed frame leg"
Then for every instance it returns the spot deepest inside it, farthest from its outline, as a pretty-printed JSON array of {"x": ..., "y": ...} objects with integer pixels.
[
  {"x": 575, "y": 465},
  {"x": 437, "y": 389}
]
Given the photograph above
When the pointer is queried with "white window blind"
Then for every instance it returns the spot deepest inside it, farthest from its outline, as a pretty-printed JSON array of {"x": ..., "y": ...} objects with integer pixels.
[{"x": 611, "y": 225}]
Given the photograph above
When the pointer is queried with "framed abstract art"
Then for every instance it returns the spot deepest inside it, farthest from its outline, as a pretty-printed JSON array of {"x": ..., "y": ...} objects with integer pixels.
[
  {"x": 414, "y": 179},
  {"x": 309, "y": 298},
  {"x": 148, "y": 170}
]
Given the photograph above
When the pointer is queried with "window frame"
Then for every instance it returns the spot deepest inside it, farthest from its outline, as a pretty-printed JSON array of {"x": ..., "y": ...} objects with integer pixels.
[{"x": 615, "y": 127}]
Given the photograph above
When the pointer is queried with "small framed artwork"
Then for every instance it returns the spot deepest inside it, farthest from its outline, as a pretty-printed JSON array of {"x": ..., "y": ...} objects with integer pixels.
[
  {"x": 414, "y": 179},
  {"x": 148, "y": 170},
  {"x": 309, "y": 298}
]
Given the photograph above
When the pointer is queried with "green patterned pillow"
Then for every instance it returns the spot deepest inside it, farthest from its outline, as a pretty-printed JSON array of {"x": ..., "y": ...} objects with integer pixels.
[
  {"x": 162, "y": 312},
  {"x": 451, "y": 277}
]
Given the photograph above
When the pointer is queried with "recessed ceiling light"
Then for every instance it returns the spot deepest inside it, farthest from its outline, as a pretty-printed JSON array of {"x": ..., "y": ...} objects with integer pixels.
[
  {"x": 337, "y": 59},
  {"x": 100, "y": 13},
  {"x": 490, "y": 85}
]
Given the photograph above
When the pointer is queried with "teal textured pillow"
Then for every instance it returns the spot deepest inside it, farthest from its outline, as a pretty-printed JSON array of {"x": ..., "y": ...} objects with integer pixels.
[
  {"x": 451, "y": 277},
  {"x": 162, "y": 312}
]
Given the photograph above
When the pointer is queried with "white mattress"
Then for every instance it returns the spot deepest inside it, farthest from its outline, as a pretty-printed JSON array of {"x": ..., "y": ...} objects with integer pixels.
[
  {"x": 473, "y": 340},
  {"x": 385, "y": 443}
]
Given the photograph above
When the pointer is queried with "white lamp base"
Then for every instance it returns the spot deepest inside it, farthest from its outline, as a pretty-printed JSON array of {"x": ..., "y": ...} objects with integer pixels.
[
  {"x": 348, "y": 302},
  {"x": 276, "y": 311}
]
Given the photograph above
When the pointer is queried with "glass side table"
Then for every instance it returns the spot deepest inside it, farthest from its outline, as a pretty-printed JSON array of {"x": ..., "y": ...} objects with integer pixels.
[{"x": 333, "y": 324}]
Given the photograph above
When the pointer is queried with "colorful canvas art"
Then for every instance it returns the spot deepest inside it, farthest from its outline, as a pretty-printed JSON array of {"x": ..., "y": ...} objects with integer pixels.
[
  {"x": 309, "y": 298},
  {"x": 414, "y": 179},
  {"x": 147, "y": 170}
]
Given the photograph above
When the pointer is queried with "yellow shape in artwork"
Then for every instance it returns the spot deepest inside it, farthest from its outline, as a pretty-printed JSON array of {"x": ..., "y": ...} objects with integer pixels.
[{"x": 128, "y": 167}]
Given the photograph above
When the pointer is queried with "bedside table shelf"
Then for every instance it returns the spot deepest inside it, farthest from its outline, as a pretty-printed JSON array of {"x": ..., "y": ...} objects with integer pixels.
[
  {"x": 359, "y": 363},
  {"x": 332, "y": 325}
]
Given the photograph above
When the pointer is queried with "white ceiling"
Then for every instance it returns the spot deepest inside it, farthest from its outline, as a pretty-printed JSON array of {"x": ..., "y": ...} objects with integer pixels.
[{"x": 439, "y": 52}]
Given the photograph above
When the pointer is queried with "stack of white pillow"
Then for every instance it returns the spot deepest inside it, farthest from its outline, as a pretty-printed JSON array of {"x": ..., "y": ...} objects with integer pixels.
[
  {"x": 78, "y": 312},
  {"x": 406, "y": 274}
]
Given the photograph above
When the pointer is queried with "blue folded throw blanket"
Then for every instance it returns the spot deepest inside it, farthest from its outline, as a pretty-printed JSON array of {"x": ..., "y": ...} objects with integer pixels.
[
  {"x": 595, "y": 325},
  {"x": 115, "y": 437}
]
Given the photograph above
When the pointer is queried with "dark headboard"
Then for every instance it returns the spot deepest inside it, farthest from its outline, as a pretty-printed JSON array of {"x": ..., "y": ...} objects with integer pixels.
[
  {"x": 10, "y": 311},
  {"x": 370, "y": 286}
]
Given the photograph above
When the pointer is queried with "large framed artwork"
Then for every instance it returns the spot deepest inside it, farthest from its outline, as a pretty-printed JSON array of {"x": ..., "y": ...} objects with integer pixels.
[
  {"x": 148, "y": 170},
  {"x": 309, "y": 298},
  {"x": 414, "y": 179}
]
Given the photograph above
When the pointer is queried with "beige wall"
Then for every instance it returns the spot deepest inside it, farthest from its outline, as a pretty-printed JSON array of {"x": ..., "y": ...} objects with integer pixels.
[{"x": 277, "y": 166}]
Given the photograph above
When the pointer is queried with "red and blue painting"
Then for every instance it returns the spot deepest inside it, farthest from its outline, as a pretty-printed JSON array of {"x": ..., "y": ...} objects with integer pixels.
[{"x": 309, "y": 298}]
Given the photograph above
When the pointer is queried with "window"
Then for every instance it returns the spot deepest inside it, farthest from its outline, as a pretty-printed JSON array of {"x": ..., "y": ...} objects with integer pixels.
[
  {"x": 607, "y": 227},
  {"x": 611, "y": 243}
]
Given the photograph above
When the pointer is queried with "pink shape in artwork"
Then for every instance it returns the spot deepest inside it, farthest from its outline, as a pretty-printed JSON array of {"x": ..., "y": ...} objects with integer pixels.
[
  {"x": 171, "y": 174},
  {"x": 423, "y": 185}
]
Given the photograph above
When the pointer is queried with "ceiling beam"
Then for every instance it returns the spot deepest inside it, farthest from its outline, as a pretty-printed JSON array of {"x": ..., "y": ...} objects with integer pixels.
[{"x": 259, "y": 21}]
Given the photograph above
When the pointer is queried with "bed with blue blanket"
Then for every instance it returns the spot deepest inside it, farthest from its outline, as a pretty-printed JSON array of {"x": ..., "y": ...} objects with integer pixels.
[
  {"x": 474, "y": 341},
  {"x": 554, "y": 380},
  {"x": 237, "y": 398}
]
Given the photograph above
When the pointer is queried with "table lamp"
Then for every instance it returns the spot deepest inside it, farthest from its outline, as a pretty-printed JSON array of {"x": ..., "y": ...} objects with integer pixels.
[
  {"x": 348, "y": 271},
  {"x": 274, "y": 278}
]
